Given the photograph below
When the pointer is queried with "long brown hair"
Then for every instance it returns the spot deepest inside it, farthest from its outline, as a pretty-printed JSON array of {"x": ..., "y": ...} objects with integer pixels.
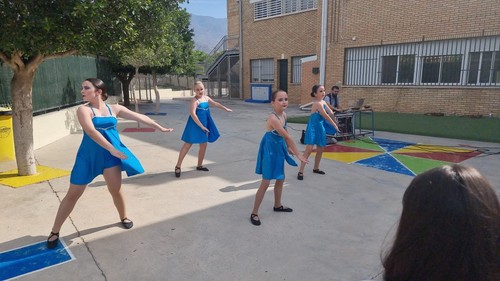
[{"x": 449, "y": 229}]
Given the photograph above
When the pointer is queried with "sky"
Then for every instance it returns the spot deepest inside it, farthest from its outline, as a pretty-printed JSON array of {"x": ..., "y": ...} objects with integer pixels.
[{"x": 212, "y": 8}]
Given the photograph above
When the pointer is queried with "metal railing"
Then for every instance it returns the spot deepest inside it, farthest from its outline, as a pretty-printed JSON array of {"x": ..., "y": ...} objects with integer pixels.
[
  {"x": 471, "y": 61},
  {"x": 226, "y": 43}
]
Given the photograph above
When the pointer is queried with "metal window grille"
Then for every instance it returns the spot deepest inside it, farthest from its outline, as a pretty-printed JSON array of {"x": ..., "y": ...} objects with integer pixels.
[
  {"x": 297, "y": 70},
  {"x": 484, "y": 68},
  {"x": 262, "y": 70},
  {"x": 272, "y": 8},
  {"x": 461, "y": 62}
]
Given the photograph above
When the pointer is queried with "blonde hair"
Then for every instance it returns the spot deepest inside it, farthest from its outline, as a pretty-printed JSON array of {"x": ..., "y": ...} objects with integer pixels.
[{"x": 198, "y": 83}]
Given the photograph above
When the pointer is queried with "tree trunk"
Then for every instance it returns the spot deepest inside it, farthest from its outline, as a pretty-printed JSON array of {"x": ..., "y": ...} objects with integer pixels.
[
  {"x": 22, "y": 120},
  {"x": 137, "y": 81},
  {"x": 125, "y": 89},
  {"x": 157, "y": 93},
  {"x": 125, "y": 79},
  {"x": 136, "y": 102}
]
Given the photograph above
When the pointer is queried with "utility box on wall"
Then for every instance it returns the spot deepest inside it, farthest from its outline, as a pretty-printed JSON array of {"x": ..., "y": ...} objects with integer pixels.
[{"x": 260, "y": 93}]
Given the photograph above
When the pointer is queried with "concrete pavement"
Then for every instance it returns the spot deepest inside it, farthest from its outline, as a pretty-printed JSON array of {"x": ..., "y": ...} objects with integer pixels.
[{"x": 197, "y": 227}]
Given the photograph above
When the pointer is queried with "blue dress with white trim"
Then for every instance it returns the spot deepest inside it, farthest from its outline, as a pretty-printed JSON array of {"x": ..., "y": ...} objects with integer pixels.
[
  {"x": 315, "y": 130},
  {"x": 273, "y": 152},
  {"x": 92, "y": 159},
  {"x": 193, "y": 133}
]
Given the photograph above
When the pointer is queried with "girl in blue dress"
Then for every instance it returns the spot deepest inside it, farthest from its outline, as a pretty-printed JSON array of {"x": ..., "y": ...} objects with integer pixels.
[
  {"x": 200, "y": 127},
  {"x": 273, "y": 152},
  {"x": 101, "y": 152},
  {"x": 315, "y": 131}
]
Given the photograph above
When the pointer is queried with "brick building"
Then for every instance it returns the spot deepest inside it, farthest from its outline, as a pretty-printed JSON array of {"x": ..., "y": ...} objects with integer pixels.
[{"x": 400, "y": 56}]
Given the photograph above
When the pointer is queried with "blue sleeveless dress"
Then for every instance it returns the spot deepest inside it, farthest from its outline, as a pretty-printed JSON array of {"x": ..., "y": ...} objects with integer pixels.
[
  {"x": 193, "y": 133},
  {"x": 315, "y": 130},
  {"x": 329, "y": 129},
  {"x": 273, "y": 153},
  {"x": 92, "y": 159}
]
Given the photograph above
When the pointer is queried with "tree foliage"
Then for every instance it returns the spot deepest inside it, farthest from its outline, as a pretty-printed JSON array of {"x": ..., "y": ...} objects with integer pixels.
[
  {"x": 37, "y": 30},
  {"x": 164, "y": 47}
]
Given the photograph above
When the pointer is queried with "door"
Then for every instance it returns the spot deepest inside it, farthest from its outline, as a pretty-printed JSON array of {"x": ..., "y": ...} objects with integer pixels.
[{"x": 283, "y": 75}]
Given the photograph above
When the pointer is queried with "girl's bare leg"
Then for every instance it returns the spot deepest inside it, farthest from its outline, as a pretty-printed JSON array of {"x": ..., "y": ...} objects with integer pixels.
[
  {"x": 306, "y": 155},
  {"x": 259, "y": 196},
  {"x": 317, "y": 158},
  {"x": 66, "y": 206},
  {"x": 113, "y": 177},
  {"x": 278, "y": 190},
  {"x": 184, "y": 150},
  {"x": 201, "y": 153}
]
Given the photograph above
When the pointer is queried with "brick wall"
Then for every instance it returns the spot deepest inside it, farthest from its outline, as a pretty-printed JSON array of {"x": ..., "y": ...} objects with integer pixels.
[
  {"x": 451, "y": 101},
  {"x": 309, "y": 79},
  {"x": 233, "y": 22},
  {"x": 278, "y": 38},
  {"x": 364, "y": 23}
]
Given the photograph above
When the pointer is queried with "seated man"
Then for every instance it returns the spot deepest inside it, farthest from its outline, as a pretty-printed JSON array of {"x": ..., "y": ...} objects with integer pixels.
[{"x": 332, "y": 99}]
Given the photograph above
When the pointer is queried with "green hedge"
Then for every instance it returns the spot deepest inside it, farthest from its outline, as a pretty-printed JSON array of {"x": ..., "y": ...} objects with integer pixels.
[{"x": 455, "y": 127}]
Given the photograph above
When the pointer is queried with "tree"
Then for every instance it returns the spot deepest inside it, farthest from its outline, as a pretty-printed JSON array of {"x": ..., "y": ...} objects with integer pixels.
[
  {"x": 34, "y": 31},
  {"x": 199, "y": 58},
  {"x": 167, "y": 39},
  {"x": 125, "y": 74}
]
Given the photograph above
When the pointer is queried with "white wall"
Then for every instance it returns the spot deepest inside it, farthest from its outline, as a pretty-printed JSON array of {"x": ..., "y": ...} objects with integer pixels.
[{"x": 50, "y": 127}]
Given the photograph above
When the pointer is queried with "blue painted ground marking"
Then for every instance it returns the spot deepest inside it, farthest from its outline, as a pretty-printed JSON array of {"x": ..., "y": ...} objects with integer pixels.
[
  {"x": 153, "y": 113},
  {"x": 387, "y": 163},
  {"x": 31, "y": 258},
  {"x": 391, "y": 145}
]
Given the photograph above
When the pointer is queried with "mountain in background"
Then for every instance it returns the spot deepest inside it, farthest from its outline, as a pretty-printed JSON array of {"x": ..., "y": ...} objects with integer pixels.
[{"x": 208, "y": 31}]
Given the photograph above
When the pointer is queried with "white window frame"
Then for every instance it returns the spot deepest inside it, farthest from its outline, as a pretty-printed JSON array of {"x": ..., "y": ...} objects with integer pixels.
[
  {"x": 264, "y": 9},
  {"x": 493, "y": 77},
  {"x": 296, "y": 72},
  {"x": 262, "y": 71},
  {"x": 363, "y": 65}
]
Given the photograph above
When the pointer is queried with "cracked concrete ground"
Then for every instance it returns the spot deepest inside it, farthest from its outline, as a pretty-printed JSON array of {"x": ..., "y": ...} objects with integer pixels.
[{"x": 197, "y": 227}]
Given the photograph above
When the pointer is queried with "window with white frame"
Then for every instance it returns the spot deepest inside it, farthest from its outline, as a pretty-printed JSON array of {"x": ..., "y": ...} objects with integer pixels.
[
  {"x": 271, "y": 8},
  {"x": 484, "y": 67},
  {"x": 297, "y": 69},
  {"x": 468, "y": 61},
  {"x": 441, "y": 69},
  {"x": 398, "y": 69},
  {"x": 262, "y": 70}
]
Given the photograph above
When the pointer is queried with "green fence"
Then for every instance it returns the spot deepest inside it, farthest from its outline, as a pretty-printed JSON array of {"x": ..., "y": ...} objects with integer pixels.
[{"x": 57, "y": 82}]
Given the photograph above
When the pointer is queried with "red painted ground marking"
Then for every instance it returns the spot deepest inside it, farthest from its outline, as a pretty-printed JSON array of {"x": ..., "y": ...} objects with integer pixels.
[
  {"x": 141, "y": 130},
  {"x": 343, "y": 148}
]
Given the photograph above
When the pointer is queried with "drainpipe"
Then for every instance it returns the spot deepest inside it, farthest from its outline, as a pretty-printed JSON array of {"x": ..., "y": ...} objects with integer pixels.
[
  {"x": 322, "y": 62},
  {"x": 240, "y": 53}
]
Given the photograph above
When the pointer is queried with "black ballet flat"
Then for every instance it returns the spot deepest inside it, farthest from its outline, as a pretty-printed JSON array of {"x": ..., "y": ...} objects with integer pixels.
[
  {"x": 283, "y": 209},
  {"x": 254, "y": 220},
  {"x": 52, "y": 244},
  {"x": 201, "y": 168},
  {"x": 127, "y": 223},
  {"x": 318, "y": 171}
]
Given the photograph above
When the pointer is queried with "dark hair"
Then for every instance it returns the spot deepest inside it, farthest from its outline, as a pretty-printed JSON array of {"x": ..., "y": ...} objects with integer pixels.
[
  {"x": 335, "y": 87},
  {"x": 275, "y": 93},
  {"x": 315, "y": 89},
  {"x": 448, "y": 230},
  {"x": 98, "y": 84}
]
